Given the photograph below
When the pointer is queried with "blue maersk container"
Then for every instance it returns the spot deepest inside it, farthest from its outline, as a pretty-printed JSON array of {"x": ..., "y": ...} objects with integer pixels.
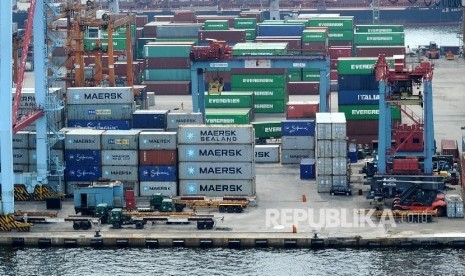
[
  {"x": 83, "y": 158},
  {"x": 149, "y": 119},
  {"x": 307, "y": 168},
  {"x": 86, "y": 198},
  {"x": 83, "y": 173},
  {"x": 358, "y": 97},
  {"x": 298, "y": 127},
  {"x": 280, "y": 30},
  {"x": 102, "y": 125},
  {"x": 158, "y": 173},
  {"x": 357, "y": 82}
]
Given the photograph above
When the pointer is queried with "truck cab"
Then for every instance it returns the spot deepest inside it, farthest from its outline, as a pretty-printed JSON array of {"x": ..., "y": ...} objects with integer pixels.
[
  {"x": 156, "y": 201},
  {"x": 101, "y": 211}
]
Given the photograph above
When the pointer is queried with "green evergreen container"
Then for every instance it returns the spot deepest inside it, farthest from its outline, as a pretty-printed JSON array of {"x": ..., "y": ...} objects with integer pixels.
[
  {"x": 250, "y": 34},
  {"x": 273, "y": 106},
  {"x": 167, "y": 74},
  {"x": 215, "y": 25},
  {"x": 333, "y": 23},
  {"x": 245, "y": 23},
  {"x": 379, "y": 39},
  {"x": 230, "y": 100},
  {"x": 310, "y": 75},
  {"x": 193, "y": 40},
  {"x": 263, "y": 93},
  {"x": 314, "y": 36},
  {"x": 379, "y": 28},
  {"x": 366, "y": 112},
  {"x": 167, "y": 50},
  {"x": 228, "y": 116},
  {"x": 119, "y": 44},
  {"x": 339, "y": 35},
  {"x": 267, "y": 129},
  {"x": 358, "y": 65},
  {"x": 261, "y": 49},
  {"x": 294, "y": 74},
  {"x": 258, "y": 81},
  {"x": 141, "y": 42}
]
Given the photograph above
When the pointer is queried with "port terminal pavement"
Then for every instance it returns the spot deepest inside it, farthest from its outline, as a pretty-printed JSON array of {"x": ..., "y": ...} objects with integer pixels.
[{"x": 280, "y": 188}]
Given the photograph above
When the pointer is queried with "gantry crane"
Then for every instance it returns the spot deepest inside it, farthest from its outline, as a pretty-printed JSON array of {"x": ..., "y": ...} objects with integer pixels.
[{"x": 395, "y": 90}]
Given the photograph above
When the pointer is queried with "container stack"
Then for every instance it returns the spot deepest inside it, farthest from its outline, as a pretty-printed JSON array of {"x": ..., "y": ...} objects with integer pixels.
[
  {"x": 340, "y": 29},
  {"x": 297, "y": 141},
  {"x": 374, "y": 40},
  {"x": 56, "y": 153},
  {"x": 454, "y": 206},
  {"x": 94, "y": 35},
  {"x": 158, "y": 170},
  {"x": 120, "y": 157},
  {"x": 216, "y": 160},
  {"x": 83, "y": 157},
  {"x": 358, "y": 98},
  {"x": 100, "y": 107},
  {"x": 249, "y": 25},
  {"x": 331, "y": 152},
  {"x": 229, "y": 108},
  {"x": 21, "y": 159}
]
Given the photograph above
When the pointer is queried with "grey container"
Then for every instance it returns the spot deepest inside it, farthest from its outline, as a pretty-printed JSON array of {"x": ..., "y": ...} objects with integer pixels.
[
  {"x": 21, "y": 140},
  {"x": 323, "y": 148},
  {"x": 20, "y": 156},
  {"x": 54, "y": 153},
  {"x": 323, "y": 126},
  {"x": 454, "y": 206},
  {"x": 339, "y": 166},
  {"x": 217, "y": 187},
  {"x": 174, "y": 120},
  {"x": 266, "y": 154},
  {"x": 216, "y": 170},
  {"x": 324, "y": 166},
  {"x": 120, "y": 158},
  {"x": 178, "y": 30},
  {"x": 339, "y": 126},
  {"x": 338, "y": 148},
  {"x": 83, "y": 139},
  {"x": 340, "y": 181},
  {"x": 60, "y": 144},
  {"x": 148, "y": 188},
  {"x": 216, "y": 134},
  {"x": 297, "y": 142},
  {"x": 295, "y": 156},
  {"x": 120, "y": 139},
  {"x": 324, "y": 183},
  {"x": 150, "y": 140},
  {"x": 99, "y": 112},
  {"x": 100, "y": 95},
  {"x": 28, "y": 97},
  {"x": 121, "y": 173},
  {"x": 216, "y": 153}
]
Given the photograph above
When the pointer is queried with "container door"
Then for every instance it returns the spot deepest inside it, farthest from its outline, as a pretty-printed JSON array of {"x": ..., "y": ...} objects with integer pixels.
[
  {"x": 83, "y": 200},
  {"x": 98, "y": 199},
  {"x": 91, "y": 200}
]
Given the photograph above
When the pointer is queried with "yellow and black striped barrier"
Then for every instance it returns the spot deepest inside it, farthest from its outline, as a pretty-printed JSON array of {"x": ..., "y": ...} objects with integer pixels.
[
  {"x": 20, "y": 193},
  {"x": 42, "y": 192},
  {"x": 8, "y": 223}
]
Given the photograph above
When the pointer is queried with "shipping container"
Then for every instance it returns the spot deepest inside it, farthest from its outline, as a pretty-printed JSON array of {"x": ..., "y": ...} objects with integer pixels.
[
  {"x": 158, "y": 173},
  {"x": 264, "y": 93},
  {"x": 358, "y": 66},
  {"x": 167, "y": 63},
  {"x": 215, "y": 116},
  {"x": 260, "y": 49},
  {"x": 21, "y": 140},
  {"x": 340, "y": 182},
  {"x": 215, "y": 188},
  {"x": 366, "y": 112},
  {"x": 215, "y": 134},
  {"x": 174, "y": 120},
  {"x": 383, "y": 39},
  {"x": 215, "y": 153},
  {"x": 266, "y": 154},
  {"x": 167, "y": 74},
  {"x": 379, "y": 28},
  {"x": 101, "y": 125},
  {"x": 213, "y": 25},
  {"x": 338, "y": 126},
  {"x": 245, "y": 23},
  {"x": 294, "y": 43},
  {"x": 178, "y": 30},
  {"x": 266, "y": 29},
  {"x": 150, "y": 140},
  {"x": 357, "y": 82},
  {"x": 89, "y": 139},
  {"x": 83, "y": 157},
  {"x": 121, "y": 173},
  {"x": 362, "y": 127},
  {"x": 295, "y": 156},
  {"x": 301, "y": 109},
  {"x": 266, "y": 130},
  {"x": 55, "y": 154},
  {"x": 307, "y": 168},
  {"x": 311, "y": 75},
  {"x": 120, "y": 158},
  {"x": 337, "y": 52},
  {"x": 339, "y": 166},
  {"x": 217, "y": 170},
  {"x": 298, "y": 127},
  {"x": 258, "y": 81},
  {"x": 297, "y": 142},
  {"x": 99, "y": 112},
  {"x": 168, "y": 87},
  {"x": 332, "y": 23},
  {"x": 149, "y": 119},
  {"x": 341, "y": 36},
  {"x": 229, "y": 100},
  {"x": 99, "y": 95},
  {"x": 324, "y": 166},
  {"x": 315, "y": 35},
  {"x": 358, "y": 97},
  {"x": 20, "y": 156},
  {"x": 323, "y": 149},
  {"x": 120, "y": 140},
  {"x": 250, "y": 35},
  {"x": 83, "y": 173},
  {"x": 166, "y": 189},
  {"x": 294, "y": 74},
  {"x": 375, "y": 51},
  {"x": 303, "y": 88},
  {"x": 324, "y": 183},
  {"x": 230, "y": 36},
  {"x": 178, "y": 50},
  {"x": 269, "y": 106},
  {"x": 338, "y": 148},
  {"x": 158, "y": 157}
]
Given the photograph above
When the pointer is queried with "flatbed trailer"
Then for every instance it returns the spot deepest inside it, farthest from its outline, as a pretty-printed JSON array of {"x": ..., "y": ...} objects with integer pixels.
[{"x": 224, "y": 205}]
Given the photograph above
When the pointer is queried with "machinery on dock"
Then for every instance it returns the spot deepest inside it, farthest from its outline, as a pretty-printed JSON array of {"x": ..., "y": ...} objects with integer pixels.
[
  {"x": 421, "y": 198},
  {"x": 433, "y": 50},
  {"x": 216, "y": 50},
  {"x": 88, "y": 197}
]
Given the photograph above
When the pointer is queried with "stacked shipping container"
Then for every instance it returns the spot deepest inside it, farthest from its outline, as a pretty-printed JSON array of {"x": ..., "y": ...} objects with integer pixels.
[
  {"x": 229, "y": 108},
  {"x": 297, "y": 141}
]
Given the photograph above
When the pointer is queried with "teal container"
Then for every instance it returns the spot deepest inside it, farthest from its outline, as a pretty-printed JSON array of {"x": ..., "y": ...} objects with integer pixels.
[
  {"x": 294, "y": 74},
  {"x": 258, "y": 81},
  {"x": 167, "y": 74},
  {"x": 340, "y": 35},
  {"x": 314, "y": 36},
  {"x": 250, "y": 34},
  {"x": 366, "y": 112},
  {"x": 166, "y": 50},
  {"x": 264, "y": 93},
  {"x": 230, "y": 100},
  {"x": 273, "y": 106},
  {"x": 215, "y": 25},
  {"x": 228, "y": 116},
  {"x": 379, "y": 28},
  {"x": 332, "y": 23},
  {"x": 271, "y": 129},
  {"x": 379, "y": 39},
  {"x": 310, "y": 75},
  {"x": 358, "y": 65},
  {"x": 245, "y": 23}
]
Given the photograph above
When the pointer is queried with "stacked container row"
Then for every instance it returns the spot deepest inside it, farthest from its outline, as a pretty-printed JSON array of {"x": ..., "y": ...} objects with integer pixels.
[{"x": 297, "y": 141}]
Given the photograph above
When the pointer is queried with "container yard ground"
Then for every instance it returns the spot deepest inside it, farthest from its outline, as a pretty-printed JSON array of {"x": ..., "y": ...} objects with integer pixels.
[{"x": 279, "y": 187}]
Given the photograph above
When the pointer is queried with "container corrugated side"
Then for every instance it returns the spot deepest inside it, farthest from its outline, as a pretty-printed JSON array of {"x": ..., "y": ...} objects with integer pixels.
[
  {"x": 120, "y": 140},
  {"x": 83, "y": 157},
  {"x": 338, "y": 148},
  {"x": 99, "y": 111},
  {"x": 83, "y": 139},
  {"x": 216, "y": 171},
  {"x": 269, "y": 106},
  {"x": 100, "y": 95},
  {"x": 298, "y": 142},
  {"x": 83, "y": 173},
  {"x": 379, "y": 28},
  {"x": 20, "y": 156},
  {"x": 267, "y": 129},
  {"x": 324, "y": 166},
  {"x": 340, "y": 181},
  {"x": 149, "y": 140},
  {"x": 339, "y": 166},
  {"x": 215, "y": 153},
  {"x": 295, "y": 156},
  {"x": 217, "y": 187},
  {"x": 358, "y": 97},
  {"x": 174, "y": 120},
  {"x": 258, "y": 81},
  {"x": 215, "y": 134},
  {"x": 264, "y": 93},
  {"x": 266, "y": 154},
  {"x": 54, "y": 154},
  {"x": 149, "y": 119},
  {"x": 120, "y": 158},
  {"x": 366, "y": 112},
  {"x": 158, "y": 173},
  {"x": 298, "y": 127},
  {"x": 323, "y": 148},
  {"x": 21, "y": 140},
  {"x": 121, "y": 173},
  {"x": 149, "y": 188},
  {"x": 101, "y": 125},
  {"x": 229, "y": 100},
  {"x": 324, "y": 183}
]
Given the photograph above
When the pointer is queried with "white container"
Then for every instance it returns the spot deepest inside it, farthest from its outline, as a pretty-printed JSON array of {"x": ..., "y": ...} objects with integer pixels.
[
  {"x": 120, "y": 158},
  {"x": 216, "y": 134},
  {"x": 339, "y": 166},
  {"x": 338, "y": 148},
  {"x": 339, "y": 126},
  {"x": 83, "y": 139},
  {"x": 151, "y": 98},
  {"x": 323, "y": 149},
  {"x": 148, "y": 188},
  {"x": 295, "y": 156},
  {"x": 21, "y": 140},
  {"x": 217, "y": 187},
  {"x": 298, "y": 142},
  {"x": 100, "y": 95},
  {"x": 174, "y": 120},
  {"x": 215, "y": 153},
  {"x": 323, "y": 126},
  {"x": 216, "y": 170},
  {"x": 324, "y": 183},
  {"x": 120, "y": 139},
  {"x": 266, "y": 154},
  {"x": 121, "y": 173},
  {"x": 324, "y": 166},
  {"x": 340, "y": 181},
  {"x": 150, "y": 140}
]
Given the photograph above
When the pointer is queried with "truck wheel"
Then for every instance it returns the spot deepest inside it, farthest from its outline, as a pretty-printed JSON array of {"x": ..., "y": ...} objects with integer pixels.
[
  {"x": 238, "y": 209},
  {"x": 76, "y": 225},
  {"x": 116, "y": 225},
  {"x": 200, "y": 225},
  {"x": 139, "y": 225},
  {"x": 440, "y": 211},
  {"x": 209, "y": 224},
  {"x": 179, "y": 208},
  {"x": 84, "y": 225},
  {"x": 222, "y": 209},
  {"x": 230, "y": 209}
]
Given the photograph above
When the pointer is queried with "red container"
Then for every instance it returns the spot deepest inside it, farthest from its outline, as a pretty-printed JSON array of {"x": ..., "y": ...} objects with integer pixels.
[
  {"x": 405, "y": 166},
  {"x": 337, "y": 52},
  {"x": 149, "y": 31},
  {"x": 333, "y": 64},
  {"x": 203, "y": 18},
  {"x": 389, "y": 51},
  {"x": 141, "y": 20},
  {"x": 333, "y": 75},
  {"x": 231, "y": 36},
  {"x": 167, "y": 63},
  {"x": 303, "y": 88},
  {"x": 163, "y": 18},
  {"x": 297, "y": 110},
  {"x": 158, "y": 157},
  {"x": 449, "y": 147},
  {"x": 121, "y": 68},
  {"x": 312, "y": 47},
  {"x": 363, "y": 139},
  {"x": 409, "y": 138},
  {"x": 130, "y": 199},
  {"x": 184, "y": 16},
  {"x": 168, "y": 87},
  {"x": 362, "y": 127}
]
